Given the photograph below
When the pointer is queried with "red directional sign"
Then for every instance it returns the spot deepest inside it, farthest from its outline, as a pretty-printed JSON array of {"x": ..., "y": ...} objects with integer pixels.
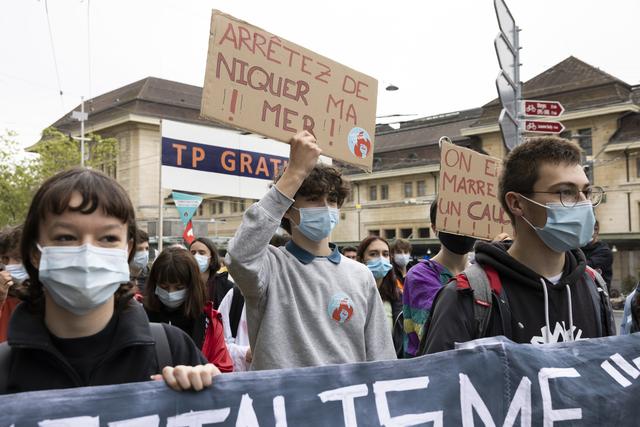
[
  {"x": 542, "y": 108},
  {"x": 539, "y": 126}
]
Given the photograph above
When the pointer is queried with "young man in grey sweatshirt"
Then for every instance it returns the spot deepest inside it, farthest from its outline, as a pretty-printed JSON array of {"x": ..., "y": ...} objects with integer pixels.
[{"x": 307, "y": 305}]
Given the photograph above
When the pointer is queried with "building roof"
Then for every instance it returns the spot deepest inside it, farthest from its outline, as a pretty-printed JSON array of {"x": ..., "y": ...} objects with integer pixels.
[
  {"x": 572, "y": 82},
  {"x": 628, "y": 131},
  {"x": 150, "y": 96}
]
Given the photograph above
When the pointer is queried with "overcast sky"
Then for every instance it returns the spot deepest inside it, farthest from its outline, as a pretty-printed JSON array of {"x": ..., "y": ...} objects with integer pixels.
[{"x": 439, "y": 53}]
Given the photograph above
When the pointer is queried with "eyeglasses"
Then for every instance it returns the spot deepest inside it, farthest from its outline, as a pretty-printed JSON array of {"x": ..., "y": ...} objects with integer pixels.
[{"x": 570, "y": 197}]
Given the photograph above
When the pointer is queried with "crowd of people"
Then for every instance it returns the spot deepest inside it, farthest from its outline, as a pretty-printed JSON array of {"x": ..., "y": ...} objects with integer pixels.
[{"x": 81, "y": 304}]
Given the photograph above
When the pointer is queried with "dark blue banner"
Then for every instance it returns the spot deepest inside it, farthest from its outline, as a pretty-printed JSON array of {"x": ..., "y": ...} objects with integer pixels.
[
  {"x": 230, "y": 161},
  {"x": 495, "y": 383}
]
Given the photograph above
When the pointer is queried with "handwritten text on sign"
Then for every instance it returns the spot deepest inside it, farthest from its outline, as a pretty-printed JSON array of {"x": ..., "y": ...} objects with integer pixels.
[
  {"x": 468, "y": 194},
  {"x": 267, "y": 85}
]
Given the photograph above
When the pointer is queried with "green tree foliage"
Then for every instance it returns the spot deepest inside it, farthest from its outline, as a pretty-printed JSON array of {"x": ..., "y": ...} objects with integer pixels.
[{"x": 21, "y": 173}]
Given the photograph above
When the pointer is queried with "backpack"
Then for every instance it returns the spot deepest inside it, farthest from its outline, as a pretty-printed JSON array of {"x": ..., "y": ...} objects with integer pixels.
[
  {"x": 484, "y": 283},
  {"x": 159, "y": 334}
]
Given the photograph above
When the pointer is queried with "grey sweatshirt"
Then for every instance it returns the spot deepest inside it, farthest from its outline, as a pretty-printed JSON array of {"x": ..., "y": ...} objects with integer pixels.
[{"x": 303, "y": 315}]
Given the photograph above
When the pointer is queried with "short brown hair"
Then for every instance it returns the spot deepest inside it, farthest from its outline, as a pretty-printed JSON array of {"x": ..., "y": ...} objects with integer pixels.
[
  {"x": 98, "y": 191},
  {"x": 324, "y": 180},
  {"x": 141, "y": 236},
  {"x": 10, "y": 241},
  {"x": 401, "y": 245},
  {"x": 520, "y": 168},
  {"x": 175, "y": 265}
]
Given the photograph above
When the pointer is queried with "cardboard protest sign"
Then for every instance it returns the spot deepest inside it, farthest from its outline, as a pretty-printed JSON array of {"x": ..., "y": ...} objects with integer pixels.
[
  {"x": 262, "y": 83},
  {"x": 468, "y": 194},
  {"x": 491, "y": 382}
]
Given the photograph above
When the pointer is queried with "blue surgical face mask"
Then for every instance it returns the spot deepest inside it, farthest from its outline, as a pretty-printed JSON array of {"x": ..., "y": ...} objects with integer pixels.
[
  {"x": 317, "y": 223},
  {"x": 203, "y": 262},
  {"x": 566, "y": 228},
  {"x": 81, "y": 278},
  {"x": 140, "y": 259},
  {"x": 379, "y": 267},
  {"x": 17, "y": 272},
  {"x": 171, "y": 299}
]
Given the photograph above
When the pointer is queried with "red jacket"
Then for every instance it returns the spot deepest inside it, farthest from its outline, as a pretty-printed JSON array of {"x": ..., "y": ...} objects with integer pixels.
[
  {"x": 214, "y": 347},
  {"x": 6, "y": 310}
]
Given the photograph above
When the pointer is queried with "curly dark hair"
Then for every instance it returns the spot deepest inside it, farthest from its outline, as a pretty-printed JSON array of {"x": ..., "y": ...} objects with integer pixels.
[
  {"x": 98, "y": 191},
  {"x": 324, "y": 180},
  {"x": 520, "y": 168}
]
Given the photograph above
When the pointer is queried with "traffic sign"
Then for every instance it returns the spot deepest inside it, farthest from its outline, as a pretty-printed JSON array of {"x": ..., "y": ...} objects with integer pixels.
[
  {"x": 506, "y": 23},
  {"x": 542, "y": 108},
  {"x": 509, "y": 129},
  {"x": 539, "y": 126},
  {"x": 508, "y": 94},
  {"x": 506, "y": 57}
]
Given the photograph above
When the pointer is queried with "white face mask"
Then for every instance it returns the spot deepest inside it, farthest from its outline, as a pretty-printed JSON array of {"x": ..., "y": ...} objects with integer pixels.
[
  {"x": 171, "y": 299},
  {"x": 402, "y": 259},
  {"x": 140, "y": 259},
  {"x": 203, "y": 262},
  {"x": 81, "y": 278},
  {"x": 17, "y": 272}
]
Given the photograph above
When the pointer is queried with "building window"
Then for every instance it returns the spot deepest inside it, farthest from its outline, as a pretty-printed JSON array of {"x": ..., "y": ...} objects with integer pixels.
[
  {"x": 350, "y": 197},
  {"x": 373, "y": 192},
  {"x": 220, "y": 207},
  {"x": 374, "y": 232},
  {"x": 585, "y": 141},
  {"x": 408, "y": 190},
  {"x": 638, "y": 167},
  {"x": 200, "y": 209},
  {"x": 406, "y": 233},
  {"x": 242, "y": 205},
  {"x": 423, "y": 232},
  {"x": 390, "y": 233},
  {"x": 234, "y": 206},
  {"x": 421, "y": 188},
  {"x": 384, "y": 192}
]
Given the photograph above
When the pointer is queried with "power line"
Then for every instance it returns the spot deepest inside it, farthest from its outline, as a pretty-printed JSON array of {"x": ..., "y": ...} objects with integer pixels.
[{"x": 53, "y": 52}]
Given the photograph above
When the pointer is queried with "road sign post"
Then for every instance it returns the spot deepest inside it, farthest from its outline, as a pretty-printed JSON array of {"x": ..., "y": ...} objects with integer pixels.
[{"x": 507, "y": 46}]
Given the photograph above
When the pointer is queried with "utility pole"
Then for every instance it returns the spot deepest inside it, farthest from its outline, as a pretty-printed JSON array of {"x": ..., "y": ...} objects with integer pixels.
[{"x": 81, "y": 116}]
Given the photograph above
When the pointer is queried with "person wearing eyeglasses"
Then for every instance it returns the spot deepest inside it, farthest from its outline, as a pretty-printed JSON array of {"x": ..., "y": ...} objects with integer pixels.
[{"x": 537, "y": 289}]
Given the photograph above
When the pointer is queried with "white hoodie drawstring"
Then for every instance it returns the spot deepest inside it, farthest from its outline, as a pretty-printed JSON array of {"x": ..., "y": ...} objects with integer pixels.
[
  {"x": 546, "y": 310},
  {"x": 570, "y": 314}
]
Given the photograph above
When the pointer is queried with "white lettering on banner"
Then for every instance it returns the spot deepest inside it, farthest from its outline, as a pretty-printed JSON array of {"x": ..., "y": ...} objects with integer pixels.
[
  {"x": 71, "y": 422},
  {"x": 346, "y": 395},
  {"x": 552, "y": 415},
  {"x": 149, "y": 421},
  {"x": 279, "y": 411},
  {"x": 470, "y": 400},
  {"x": 381, "y": 388},
  {"x": 246, "y": 414},
  {"x": 199, "y": 418}
]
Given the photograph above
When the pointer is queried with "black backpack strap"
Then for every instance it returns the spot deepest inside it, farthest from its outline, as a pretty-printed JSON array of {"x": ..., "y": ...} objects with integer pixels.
[
  {"x": 482, "y": 298},
  {"x": 5, "y": 357},
  {"x": 163, "y": 351},
  {"x": 602, "y": 305},
  {"x": 235, "y": 311}
]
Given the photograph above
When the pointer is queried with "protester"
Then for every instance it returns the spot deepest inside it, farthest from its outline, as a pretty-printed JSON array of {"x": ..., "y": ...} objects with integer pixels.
[
  {"x": 139, "y": 265},
  {"x": 12, "y": 276},
  {"x": 400, "y": 258},
  {"x": 306, "y": 304},
  {"x": 630, "y": 322},
  {"x": 176, "y": 295},
  {"x": 541, "y": 289},
  {"x": 374, "y": 253},
  {"x": 217, "y": 283},
  {"x": 599, "y": 256},
  {"x": 426, "y": 278},
  {"x": 350, "y": 252},
  {"x": 78, "y": 325}
]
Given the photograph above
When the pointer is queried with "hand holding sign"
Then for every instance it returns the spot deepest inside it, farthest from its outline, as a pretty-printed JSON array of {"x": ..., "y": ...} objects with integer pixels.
[
  {"x": 303, "y": 157},
  {"x": 188, "y": 377}
]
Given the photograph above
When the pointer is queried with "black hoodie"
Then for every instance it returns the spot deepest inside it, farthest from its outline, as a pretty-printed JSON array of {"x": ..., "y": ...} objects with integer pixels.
[{"x": 522, "y": 316}]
